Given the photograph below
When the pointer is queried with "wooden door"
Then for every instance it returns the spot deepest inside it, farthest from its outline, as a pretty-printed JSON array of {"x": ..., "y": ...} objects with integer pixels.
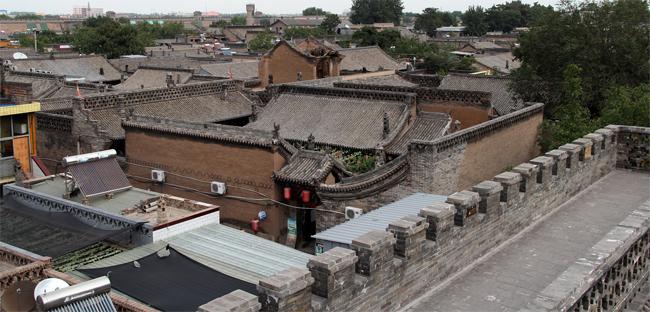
[{"x": 21, "y": 153}]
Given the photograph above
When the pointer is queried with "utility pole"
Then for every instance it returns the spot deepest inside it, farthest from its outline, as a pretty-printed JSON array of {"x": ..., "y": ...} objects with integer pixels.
[{"x": 35, "y": 32}]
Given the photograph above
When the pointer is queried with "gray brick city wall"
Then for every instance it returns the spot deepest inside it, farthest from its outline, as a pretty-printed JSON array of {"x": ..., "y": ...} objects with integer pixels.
[{"x": 417, "y": 252}]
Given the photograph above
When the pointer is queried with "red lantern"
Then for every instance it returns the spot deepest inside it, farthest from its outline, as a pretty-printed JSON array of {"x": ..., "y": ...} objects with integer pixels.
[
  {"x": 255, "y": 225},
  {"x": 287, "y": 193},
  {"x": 306, "y": 196}
]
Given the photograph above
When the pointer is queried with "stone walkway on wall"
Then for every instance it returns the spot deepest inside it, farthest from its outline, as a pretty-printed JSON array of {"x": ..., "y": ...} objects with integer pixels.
[{"x": 514, "y": 276}]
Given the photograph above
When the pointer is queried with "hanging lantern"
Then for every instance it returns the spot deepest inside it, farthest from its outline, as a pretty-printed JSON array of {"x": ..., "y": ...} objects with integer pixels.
[
  {"x": 306, "y": 196},
  {"x": 287, "y": 193}
]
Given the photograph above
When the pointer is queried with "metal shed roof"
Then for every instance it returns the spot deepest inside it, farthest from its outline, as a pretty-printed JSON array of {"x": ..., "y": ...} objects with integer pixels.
[
  {"x": 224, "y": 249},
  {"x": 379, "y": 218}
]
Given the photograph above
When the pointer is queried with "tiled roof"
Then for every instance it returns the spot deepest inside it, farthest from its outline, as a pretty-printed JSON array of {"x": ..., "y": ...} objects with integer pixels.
[
  {"x": 498, "y": 61},
  {"x": 240, "y": 70},
  {"x": 217, "y": 132},
  {"x": 306, "y": 167},
  {"x": 503, "y": 99},
  {"x": 42, "y": 84},
  {"x": 333, "y": 120},
  {"x": 151, "y": 77},
  {"x": 202, "y": 109},
  {"x": 427, "y": 127},
  {"x": 384, "y": 80},
  {"x": 372, "y": 58},
  {"x": 301, "y": 21},
  {"x": 163, "y": 61},
  {"x": 50, "y": 85},
  {"x": 87, "y": 67},
  {"x": 485, "y": 45}
]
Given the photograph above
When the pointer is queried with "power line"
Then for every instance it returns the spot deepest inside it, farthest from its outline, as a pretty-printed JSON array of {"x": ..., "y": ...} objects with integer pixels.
[{"x": 242, "y": 198}]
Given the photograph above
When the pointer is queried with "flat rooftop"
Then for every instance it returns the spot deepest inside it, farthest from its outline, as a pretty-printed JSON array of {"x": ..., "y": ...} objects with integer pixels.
[{"x": 123, "y": 203}]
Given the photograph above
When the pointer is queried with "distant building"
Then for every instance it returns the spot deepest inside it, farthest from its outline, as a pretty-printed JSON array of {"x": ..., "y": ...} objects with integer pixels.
[
  {"x": 87, "y": 11},
  {"x": 449, "y": 31},
  {"x": 309, "y": 60},
  {"x": 250, "y": 14}
]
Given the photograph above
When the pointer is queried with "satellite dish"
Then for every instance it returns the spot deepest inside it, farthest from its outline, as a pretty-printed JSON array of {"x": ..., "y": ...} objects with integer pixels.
[
  {"x": 49, "y": 285},
  {"x": 20, "y": 56}
]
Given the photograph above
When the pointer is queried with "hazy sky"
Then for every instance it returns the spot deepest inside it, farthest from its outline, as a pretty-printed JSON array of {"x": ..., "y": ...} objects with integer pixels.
[{"x": 230, "y": 6}]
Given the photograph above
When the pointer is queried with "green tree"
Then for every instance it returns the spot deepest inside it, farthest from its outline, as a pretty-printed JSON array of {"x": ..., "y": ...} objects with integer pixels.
[
  {"x": 607, "y": 40},
  {"x": 571, "y": 120},
  {"x": 238, "y": 20},
  {"x": 431, "y": 18},
  {"x": 103, "y": 35},
  {"x": 28, "y": 17},
  {"x": 627, "y": 106},
  {"x": 45, "y": 38},
  {"x": 262, "y": 42},
  {"x": 311, "y": 11},
  {"x": 330, "y": 22},
  {"x": 219, "y": 24},
  {"x": 368, "y": 36},
  {"x": 5, "y": 17},
  {"x": 474, "y": 21},
  {"x": 376, "y": 11}
]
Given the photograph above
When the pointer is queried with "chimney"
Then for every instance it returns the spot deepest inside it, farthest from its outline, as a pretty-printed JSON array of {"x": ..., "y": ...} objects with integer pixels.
[
  {"x": 101, "y": 71},
  {"x": 386, "y": 126},
  {"x": 310, "y": 142},
  {"x": 126, "y": 68}
]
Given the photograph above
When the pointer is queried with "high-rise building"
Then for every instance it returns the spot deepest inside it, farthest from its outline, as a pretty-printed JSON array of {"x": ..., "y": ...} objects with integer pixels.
[{"x": 85, "y": 12}]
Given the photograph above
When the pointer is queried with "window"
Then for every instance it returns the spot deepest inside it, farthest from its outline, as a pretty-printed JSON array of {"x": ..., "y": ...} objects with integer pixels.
[
  {"x": 5, "y": 127},
  {"x": 6, "y": 148},
  {"x": 20, "y": 124}
]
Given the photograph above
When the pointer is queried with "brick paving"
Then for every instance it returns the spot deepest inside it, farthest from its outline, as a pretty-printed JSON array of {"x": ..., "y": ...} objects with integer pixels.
[{"x": 516, "y": 274}]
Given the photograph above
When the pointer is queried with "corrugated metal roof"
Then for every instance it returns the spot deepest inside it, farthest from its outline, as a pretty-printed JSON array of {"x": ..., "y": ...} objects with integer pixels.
[
  {"x": 379, "y": 218},
  {"x": 99, "y": 303},
  {"x": 224, "y": 249}
]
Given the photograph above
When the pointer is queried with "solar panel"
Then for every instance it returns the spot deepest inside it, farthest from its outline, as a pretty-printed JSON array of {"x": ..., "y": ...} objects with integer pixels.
[{"x": 98, "y": 177}]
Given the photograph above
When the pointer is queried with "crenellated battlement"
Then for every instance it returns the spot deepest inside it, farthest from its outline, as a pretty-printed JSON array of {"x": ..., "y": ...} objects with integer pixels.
[{"x": 384, "y": 270}]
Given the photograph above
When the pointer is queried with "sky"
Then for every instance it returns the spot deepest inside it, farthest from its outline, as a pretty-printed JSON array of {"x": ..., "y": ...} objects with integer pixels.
[{"x": 232, "y": 6}]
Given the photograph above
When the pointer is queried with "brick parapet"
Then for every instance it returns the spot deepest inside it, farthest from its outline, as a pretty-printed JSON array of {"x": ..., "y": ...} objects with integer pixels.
[
  {"x": 408, "y": 98},
  {"x": 425, "y": 95},
  {"x": 481, "y": 130},
  {"x": 135, "y": 97}
]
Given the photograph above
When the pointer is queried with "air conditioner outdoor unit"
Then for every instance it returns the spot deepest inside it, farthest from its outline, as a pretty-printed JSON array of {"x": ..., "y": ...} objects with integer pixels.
[
  {"x": 158, "y": 175},
  {"x": 352, "y": 212},
  {"x": 218, "y": 188}
]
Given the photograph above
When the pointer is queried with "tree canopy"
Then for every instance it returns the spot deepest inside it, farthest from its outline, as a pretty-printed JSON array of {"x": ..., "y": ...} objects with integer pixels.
[
  {"x": 432, "y": 56},
  {"x": 431, "y": 18},
  {"x": 238, "y": 20},
  {"x": 376, "y": 11},
  {"x": 598, "y": 48},
  {"x": 262, "y": 42},
  {"x": 502, "y": 17},
  {"x": 330, "y": 22},
  {"x": 103, "y": 35},
  {"x": 313, "y": 11}
]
